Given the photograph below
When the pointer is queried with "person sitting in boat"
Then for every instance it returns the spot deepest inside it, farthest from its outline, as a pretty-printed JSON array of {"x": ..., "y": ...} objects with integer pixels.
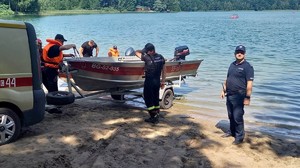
[
  {"x": 113, "y": 52},
  {"x": 86, "y": 49}
]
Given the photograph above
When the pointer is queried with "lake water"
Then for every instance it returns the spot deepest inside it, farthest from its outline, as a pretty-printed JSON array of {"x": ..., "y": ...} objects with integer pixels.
[{"x": 272, "y": 39}]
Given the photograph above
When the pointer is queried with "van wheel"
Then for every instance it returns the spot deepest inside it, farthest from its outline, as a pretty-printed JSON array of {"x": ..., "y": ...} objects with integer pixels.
[
  {"x": 10, "y": 126},
  {"x": 60, "y": 98},
  {"x": 167, "y": 99}
]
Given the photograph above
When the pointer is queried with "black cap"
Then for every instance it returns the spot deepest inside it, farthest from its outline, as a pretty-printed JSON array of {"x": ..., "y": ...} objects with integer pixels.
[
  {"x": 60, "y": 37},
  {"x": 115, "y": 47},
  {"x": 148, "y": 47},
  {"x": 240, "y": 48}
]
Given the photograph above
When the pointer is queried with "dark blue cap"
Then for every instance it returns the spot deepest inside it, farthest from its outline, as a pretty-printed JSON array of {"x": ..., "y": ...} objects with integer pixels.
[
  {"x": 148, "y": 47},
  {"x": 60, "y": 37},
  {"x": 240, "y": 48}
]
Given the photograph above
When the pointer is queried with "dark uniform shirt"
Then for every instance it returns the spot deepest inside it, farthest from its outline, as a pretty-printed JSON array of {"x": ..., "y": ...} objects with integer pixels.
[
  {"x": 87, "y": 49},
  {"x": 237, "y": 77},
  {"x": 53, "y": 51},
  {"x": 153, "y": 65}
]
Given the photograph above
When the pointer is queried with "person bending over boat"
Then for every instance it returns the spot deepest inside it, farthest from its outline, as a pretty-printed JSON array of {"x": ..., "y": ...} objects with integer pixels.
[
  {"x": 238, "y": 88},
  {"x": 113, "y": 52},
  {"x": 52, "y": 57},
  {"x": 86, "y": 49},
  {"x": 154, "y": 69}
]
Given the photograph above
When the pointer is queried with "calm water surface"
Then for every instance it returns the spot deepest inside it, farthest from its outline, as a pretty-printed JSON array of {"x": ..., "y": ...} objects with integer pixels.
[{"x": 273, "y": 46}]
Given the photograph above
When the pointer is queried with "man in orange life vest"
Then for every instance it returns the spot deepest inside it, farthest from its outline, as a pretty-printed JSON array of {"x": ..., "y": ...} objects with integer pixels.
[
  {"x": 113, "y": 52},
  {"x": 53, "y": 56}
]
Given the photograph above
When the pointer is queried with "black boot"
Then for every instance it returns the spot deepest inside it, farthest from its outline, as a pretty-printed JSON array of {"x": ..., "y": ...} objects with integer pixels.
[{"x": 153, "y": 117}]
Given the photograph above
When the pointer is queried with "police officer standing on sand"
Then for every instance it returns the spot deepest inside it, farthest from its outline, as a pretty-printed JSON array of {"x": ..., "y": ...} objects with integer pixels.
[{"x": 238, "y": 89}]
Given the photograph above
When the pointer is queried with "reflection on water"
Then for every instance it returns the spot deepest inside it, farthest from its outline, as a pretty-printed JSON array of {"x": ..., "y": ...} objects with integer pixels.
[{"x": 272, "y": 40}]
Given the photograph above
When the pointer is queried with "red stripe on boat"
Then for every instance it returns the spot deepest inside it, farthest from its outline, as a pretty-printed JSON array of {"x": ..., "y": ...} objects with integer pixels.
[
  {"x": 107, "y": 69},
  {"x": 182, "y": 67},
  {"x": 127, "y": 70}
]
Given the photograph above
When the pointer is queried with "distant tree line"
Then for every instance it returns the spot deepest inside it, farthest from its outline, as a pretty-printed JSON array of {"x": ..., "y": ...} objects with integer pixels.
[{"x": 35, "y": 6}]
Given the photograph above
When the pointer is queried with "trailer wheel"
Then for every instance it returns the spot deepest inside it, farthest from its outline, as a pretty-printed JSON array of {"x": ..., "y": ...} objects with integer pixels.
[
  {"x": 117, "y": 97},
  {"x": 60, "y": 98},
  {"x": 167, "y": 99},
  {"x": 10, "y": 126}
]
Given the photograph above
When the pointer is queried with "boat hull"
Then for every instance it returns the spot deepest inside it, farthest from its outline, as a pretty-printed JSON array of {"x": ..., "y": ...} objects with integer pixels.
[{"x": 92, "y": 74}]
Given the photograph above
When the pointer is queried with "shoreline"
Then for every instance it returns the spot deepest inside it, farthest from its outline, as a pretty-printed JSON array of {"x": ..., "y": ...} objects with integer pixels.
[
  {"x": 113, "y": 11},
  {"x": 73, "y": 12},
  {"x": 96, "y": 133}
]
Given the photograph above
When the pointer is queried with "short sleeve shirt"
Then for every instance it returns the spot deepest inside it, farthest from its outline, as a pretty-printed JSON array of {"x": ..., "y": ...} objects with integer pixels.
[
  {"x": 53, "y": 51},
  {"x": 237, "y": 77},
  {"x": 87, "y": 49},
  {"x": 153, "y": 65}
]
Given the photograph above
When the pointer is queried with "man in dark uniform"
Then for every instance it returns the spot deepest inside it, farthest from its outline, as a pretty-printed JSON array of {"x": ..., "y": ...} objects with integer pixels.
[
  {"x": 86, "y": 49},
  {"x": 154, "y": 69},
  {"x": 238, "y": 89}
]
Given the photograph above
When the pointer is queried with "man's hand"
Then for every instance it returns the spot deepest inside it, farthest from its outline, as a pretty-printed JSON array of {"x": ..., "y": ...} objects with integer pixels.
[
  {"x": 222, "y": 94},
  {"x": 246, "y": 101},
  {"x": 162, "y": 85}
]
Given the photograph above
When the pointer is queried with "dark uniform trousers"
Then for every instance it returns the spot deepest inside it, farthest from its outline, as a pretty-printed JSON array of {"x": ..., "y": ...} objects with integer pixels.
[
  {"x": 49, "y": 76},
  {"x": 151, "y": 94},
  {"x": 235, "y": 108}
]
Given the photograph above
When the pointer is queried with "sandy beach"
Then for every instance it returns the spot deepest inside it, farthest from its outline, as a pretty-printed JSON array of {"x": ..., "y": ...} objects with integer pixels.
[{"x": 93, "y": 133}]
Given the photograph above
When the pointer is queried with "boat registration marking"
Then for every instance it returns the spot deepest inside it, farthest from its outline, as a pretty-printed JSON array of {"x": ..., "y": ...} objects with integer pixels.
[
  {"x": 175, "y": 68},
  {"x": 105, "y": 67}
]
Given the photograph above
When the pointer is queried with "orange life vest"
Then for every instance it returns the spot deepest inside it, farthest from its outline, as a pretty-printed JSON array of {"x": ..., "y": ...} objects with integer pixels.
[
  {"x": 113, "y": 52},
  {"x": 52, "y": 62}
]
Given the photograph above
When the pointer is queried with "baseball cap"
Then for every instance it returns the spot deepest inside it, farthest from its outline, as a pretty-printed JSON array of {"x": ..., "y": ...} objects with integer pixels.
[
  {"x": 115, "y": 47},
  {"x": 148, "y": 47},
  {"x": 240, "y": 48},
  {"x": 60, "y": 37}
]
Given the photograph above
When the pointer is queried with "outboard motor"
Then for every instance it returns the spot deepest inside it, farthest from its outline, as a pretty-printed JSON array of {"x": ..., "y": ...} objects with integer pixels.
[
  {"x": 130, "y": 52},
  {"x": 181, "y": 52}
]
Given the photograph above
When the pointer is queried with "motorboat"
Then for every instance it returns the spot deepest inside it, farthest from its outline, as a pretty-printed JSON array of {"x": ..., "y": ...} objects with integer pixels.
[
  {"x": 124, "y": 72},
  {"x": 234, "y": 16}
]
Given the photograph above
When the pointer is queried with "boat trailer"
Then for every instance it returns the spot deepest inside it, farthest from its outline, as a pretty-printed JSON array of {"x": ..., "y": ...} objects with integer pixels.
[{"x": 166, "y": 95}]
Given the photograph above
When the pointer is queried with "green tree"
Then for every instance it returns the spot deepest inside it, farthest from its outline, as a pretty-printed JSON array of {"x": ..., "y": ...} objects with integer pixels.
[
  {"x": 159, "y": 6},
  {"x": 172, "y": 5},
  {"x": 5, "y": 10},
  {"x": 294, "y": 4},
  {"x": 29, "y": 6},
  {"x": 126, "y": 5}
]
